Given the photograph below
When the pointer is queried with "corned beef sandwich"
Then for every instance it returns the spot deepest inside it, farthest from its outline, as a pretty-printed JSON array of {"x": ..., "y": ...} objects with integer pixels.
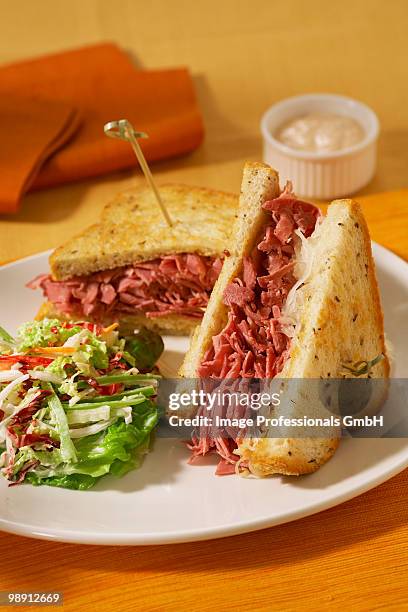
[
  {"x": 296, "y": 299},
  {"x": 134, "y": 269}
]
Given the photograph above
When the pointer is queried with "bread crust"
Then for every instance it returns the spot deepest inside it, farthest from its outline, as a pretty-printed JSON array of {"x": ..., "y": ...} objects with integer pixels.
[
  {"x": 343, "y": 284},
  {"x": 260, "y": 182},
  {"x": 350, "y": 310},
  {"x": 132, "y": 230},
  {"x": 174, "y": 325},
  {"x": 290, "y": 457}
]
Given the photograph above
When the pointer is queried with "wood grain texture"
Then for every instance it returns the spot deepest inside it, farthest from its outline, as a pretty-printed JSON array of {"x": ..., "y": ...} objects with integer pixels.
[
  {"x": 353, "y": 555},
  {"x": 244, "y": 56}
]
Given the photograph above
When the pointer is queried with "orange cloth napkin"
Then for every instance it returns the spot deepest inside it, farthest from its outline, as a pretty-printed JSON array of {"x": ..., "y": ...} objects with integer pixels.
[{"x": 53, "y": 109}]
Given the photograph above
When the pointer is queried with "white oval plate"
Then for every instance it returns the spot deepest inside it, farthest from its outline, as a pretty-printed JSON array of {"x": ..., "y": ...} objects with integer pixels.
[{"x": 170, "y": 501}]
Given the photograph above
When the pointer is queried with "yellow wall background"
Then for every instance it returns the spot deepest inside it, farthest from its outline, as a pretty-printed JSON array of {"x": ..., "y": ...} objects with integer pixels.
[{"x": 244, "y": 55}]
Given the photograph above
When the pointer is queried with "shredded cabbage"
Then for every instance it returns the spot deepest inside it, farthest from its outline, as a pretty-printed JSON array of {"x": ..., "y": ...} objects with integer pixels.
[
  {"x": 77, "y": 339},
  {"x": 45, "y": 376},
  {"x": 37, "y": 333},
  {"x": 94, "y": 415},
  {"x": 78, "y": 432},
  {"x": 11, "y": 386},
  {"x": 304, "y": 254},
  {"x": 90, "y": 430},
  {"x": 60, "y": 419},
  {"x": 9, "y": 375}
]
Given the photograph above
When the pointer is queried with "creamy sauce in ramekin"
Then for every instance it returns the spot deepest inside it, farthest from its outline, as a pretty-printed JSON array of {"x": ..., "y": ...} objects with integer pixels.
[{"x": 321, "y": 133}]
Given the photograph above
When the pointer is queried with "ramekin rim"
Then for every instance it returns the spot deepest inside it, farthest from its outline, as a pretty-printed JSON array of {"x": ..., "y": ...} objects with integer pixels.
[{"x": 370, "y": 137}]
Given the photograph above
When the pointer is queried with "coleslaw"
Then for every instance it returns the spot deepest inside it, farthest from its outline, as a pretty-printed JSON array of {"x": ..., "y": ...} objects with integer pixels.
[{"x": 74, "y": 407}]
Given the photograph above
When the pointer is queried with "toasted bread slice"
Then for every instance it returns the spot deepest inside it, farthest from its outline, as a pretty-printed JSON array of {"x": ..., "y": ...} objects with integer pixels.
[
  {"x": 133, "y": 229},
  {"x": 259, "y": 184},
  {"x": 340, "y": 323},
  {"x": 340, "y": 319},
  {"x": 174, "y": 325}
]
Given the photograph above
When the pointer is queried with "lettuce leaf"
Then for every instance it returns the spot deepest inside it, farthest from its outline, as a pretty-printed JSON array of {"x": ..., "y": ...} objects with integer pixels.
[
  {"x": 79, "y": 482},
  {"x": 116, "y": 451}
]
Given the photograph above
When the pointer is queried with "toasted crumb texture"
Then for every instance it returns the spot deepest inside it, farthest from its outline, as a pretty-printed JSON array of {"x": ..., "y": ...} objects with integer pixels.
[
  {"x": 174, "y": 325},
  {"x": 340, "y": 322},
  {"x": 259, "y": 184},
  {"x": 132, "y": 229}
]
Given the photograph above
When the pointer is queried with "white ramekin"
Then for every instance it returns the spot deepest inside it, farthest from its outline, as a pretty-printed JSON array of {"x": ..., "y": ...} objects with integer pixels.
[{"x": 321, "y": 175}]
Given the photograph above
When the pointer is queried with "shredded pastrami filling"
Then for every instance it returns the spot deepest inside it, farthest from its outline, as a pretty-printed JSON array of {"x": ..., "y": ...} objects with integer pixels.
[
  {"x": 253, "y": 344},
  {"x": 175, "y": 284}
]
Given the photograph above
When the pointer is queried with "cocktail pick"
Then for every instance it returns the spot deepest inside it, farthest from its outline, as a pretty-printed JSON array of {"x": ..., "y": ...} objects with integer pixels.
[{"x": 124, "y": 130}]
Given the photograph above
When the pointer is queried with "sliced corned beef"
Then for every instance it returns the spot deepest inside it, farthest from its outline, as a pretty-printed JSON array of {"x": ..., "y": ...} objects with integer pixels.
[
  {"x": 175, "y": 284},
  {"x": 253, "y": 343}
]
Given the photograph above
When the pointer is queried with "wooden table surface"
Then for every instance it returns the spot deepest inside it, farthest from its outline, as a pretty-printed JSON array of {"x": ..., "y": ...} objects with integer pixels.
[{"x": 244, "y": 56}]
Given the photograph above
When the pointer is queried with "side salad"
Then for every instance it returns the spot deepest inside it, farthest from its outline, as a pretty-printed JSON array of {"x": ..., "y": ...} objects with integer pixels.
[{"x": 76, "y": 402}]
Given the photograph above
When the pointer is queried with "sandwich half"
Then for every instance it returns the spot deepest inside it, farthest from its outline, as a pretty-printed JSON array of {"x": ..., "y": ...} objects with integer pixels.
[
  {"x": 132, "y": 268},
  {"x": 297, "y": 299}
]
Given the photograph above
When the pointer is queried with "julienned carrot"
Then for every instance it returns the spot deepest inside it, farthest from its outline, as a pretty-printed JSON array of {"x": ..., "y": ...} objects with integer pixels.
[
  {"x": 60, "y": 350},
  {"x": 110, "y": 327}
]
